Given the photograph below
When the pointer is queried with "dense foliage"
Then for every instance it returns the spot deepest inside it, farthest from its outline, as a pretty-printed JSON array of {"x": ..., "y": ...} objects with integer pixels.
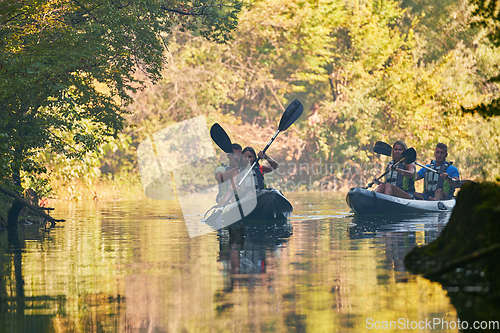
[
  {"x": 487, "y": 11},
  {"x": 67, "y": 69},
  {"x": 377, "y": 70},
  {"x": 365, "y": 71}
]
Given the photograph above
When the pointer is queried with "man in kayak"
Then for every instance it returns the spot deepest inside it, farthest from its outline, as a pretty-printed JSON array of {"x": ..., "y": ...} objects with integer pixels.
[
  {"x": 225, "y": 172},
  {"x": 399, "y": 181},
  {"x": 249, "y": 157},
  {"x": 438, "y": 186}
]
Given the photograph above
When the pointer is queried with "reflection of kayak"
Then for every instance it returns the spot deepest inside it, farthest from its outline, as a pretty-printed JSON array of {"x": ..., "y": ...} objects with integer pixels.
[
  {"x": 364, "y": 202},
  {"x": 271, "y": 204},
  {"x": 369, "y": 226}
]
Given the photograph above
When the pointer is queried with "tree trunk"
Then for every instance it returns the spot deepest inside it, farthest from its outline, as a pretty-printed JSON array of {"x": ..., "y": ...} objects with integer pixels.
[
  {"x": 17, "y": 206},
  {"x": 13, "y": 213}
]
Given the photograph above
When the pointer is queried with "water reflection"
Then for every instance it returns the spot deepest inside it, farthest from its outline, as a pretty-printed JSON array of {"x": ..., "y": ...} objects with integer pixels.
[
  {"x": 132, "y": 267},
  {"x": 251, "y": 249},
  {"x": 14, "y": 303},
  {"x": 371, "y": 226},
  {"x": 398, "y": 234}
]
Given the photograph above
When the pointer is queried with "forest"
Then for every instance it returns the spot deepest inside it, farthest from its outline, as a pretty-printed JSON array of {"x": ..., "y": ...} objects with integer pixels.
[{"x": 421, "y": 71}]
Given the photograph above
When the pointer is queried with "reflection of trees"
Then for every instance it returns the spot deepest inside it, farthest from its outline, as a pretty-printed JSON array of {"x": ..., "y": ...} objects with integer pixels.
[
  {"x": 16, "y": 249},
  {"x": 41, "y": 287},
  {"x": 113, "y": 271},
  {"x": 5, "y": 269},
  {"x": 12, "y": 298},
  {"x": 13, "y": 301}
]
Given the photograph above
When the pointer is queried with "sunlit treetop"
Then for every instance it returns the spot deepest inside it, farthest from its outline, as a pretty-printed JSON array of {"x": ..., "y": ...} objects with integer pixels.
[
  {"x": 62, "y": 61},
  {"x": 489, "y": 11}
]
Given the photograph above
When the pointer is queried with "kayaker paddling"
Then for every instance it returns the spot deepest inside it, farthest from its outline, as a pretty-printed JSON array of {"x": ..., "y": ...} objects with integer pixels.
[
  {"x": 225, "y": 172},
  {"x": 258, "y": 171},
  {"x": 223, "y": 215},
  {"x": 399, "y": 180},
  {"x": 441, "y": 185}
]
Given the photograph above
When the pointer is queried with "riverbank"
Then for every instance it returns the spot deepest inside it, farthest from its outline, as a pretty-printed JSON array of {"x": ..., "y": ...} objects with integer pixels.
[{"x": 464, "y": 257}]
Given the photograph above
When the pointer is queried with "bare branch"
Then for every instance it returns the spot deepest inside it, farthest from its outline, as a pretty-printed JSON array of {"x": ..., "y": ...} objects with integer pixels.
[
  {"x": 177, "y": 11},
  {"x": 200, "y": 11},
  {"x": 85, "y": 9}
]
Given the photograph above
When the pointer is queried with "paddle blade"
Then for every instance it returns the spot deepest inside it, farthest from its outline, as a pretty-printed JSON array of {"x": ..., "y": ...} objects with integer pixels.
[
  {"x": 291, "y": 114},
  {"x": 382, "y": 148},
  {"x": 221, "y": 138},
  {"x": 215, "y": 220},
  {"x": 409, "y": 156}
]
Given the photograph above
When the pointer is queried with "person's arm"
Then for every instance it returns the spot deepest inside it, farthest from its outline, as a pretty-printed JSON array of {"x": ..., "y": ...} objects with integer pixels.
[
  {"x": 451, "y": 172},
  {"x": 218, "y": 174},
  {"x": 420, "y": 174},
  {"x": 224, "y": 176},
  {"x": 408, "y": 171},
  {"x": 273, "y": 165}
]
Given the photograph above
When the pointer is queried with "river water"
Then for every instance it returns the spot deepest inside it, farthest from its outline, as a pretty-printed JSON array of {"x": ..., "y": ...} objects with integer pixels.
[{"x": 130, "y": 266}]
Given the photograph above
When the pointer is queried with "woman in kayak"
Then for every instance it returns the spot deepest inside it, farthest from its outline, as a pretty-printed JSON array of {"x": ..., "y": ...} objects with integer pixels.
[
  {"x": 399, "y": 181},
  {"x": 249, "y": 157}
]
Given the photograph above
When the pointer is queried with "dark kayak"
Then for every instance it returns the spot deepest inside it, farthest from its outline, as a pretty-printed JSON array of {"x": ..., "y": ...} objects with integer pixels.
[
  {"x": 364, "y": 202},
  {"x": 271, "y": 205},
  {"x": 268, "y": 205}
]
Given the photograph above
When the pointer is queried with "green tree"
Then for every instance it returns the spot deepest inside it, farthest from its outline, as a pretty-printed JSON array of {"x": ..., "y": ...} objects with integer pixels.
[
  {"x": 63, "y": 61},
  {"x": 378, "y": 72},
  {"x": 488, "y": 12},
  {"x": 67, "y": 66}
]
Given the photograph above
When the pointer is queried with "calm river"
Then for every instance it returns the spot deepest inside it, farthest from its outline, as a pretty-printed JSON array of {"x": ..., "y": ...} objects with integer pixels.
[{"x": 131, "y": 267}]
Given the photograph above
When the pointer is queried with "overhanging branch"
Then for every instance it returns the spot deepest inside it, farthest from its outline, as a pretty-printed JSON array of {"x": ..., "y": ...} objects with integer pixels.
[
  {"x": 180, "y": 12},
  {"x": 197, "y": 11},
  {"x": 36, "y": 209}
]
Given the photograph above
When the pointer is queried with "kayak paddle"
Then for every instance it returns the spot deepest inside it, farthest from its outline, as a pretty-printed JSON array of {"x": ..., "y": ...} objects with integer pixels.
[
  {"x": 291, "y": 114},
  {"x": 409, "y": 156},
  {"x": 386, "y": 149},
  {"x": 458, "y": 182},
  {"x": 382, "y": 148},
  {"x": 221, "y": 138}
]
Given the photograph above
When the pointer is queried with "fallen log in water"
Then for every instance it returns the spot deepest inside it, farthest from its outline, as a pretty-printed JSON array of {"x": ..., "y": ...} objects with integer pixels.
[{"x": 20, "y": 202}]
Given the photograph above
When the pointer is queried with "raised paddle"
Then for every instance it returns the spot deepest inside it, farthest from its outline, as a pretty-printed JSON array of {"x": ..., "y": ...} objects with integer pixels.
[
  {"x": 221, "y": 138},
  {"x": 409, "y": 156},
  {"x": 382, "y": 148},
  {"x": 291, "y": 114}
]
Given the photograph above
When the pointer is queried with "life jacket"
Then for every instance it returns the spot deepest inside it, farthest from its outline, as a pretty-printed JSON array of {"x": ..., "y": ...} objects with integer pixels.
[
  {"x": 258, "y": 178},
  {"x": 398, "y": 180},
  {"x": 433, "y": 181}
]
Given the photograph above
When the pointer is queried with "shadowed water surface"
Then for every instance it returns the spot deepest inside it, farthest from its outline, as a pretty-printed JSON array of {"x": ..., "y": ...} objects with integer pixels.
[{"x": 131, "y": 267}]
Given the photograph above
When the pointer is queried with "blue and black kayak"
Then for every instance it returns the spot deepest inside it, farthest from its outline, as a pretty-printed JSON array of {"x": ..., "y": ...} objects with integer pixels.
[{"x": 365, "y": 202}]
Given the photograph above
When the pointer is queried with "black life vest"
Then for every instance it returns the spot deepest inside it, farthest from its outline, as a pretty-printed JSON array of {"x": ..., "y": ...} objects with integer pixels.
[
  {"x": 258, "y": 179},
  {"x": 433, "y": 181},
  {"x": 397, "y": 179}
]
